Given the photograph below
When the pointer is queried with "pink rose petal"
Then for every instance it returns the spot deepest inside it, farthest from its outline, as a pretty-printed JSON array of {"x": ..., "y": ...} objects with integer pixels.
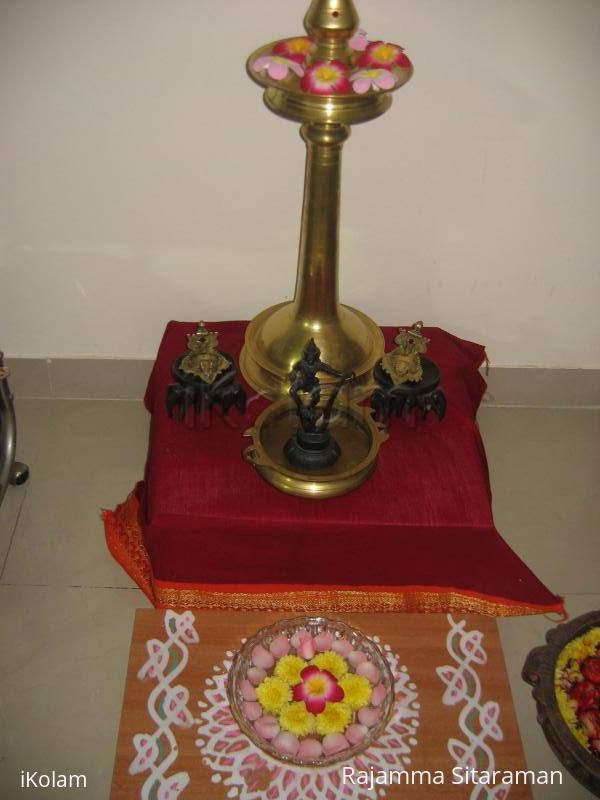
[
  {"x": 286, "y": 743},
  {"x": 307, "y": 648},
  {"x": 378, "y": 694},
  {"x": 386, "y": 81},
  {"x": 369, "y": 716},
  {"x": 361, "y": 85},
  {"x": 261, "y": 63},
  {"x": 252, "y": 711},
  {"x": 277, "y": 71},
  {"x": 323, "y": 641},
  {"x": 300, "y": 634},
  {"x": 334, "y": 743},
  {"x": 280, "y": 646},
  {"x": 295, "y": 67},
  {"x": 256, "y": 675},
  {"x": 310, "y": 748},
  {"x": 262, "y": 658},
  {"x": 342, "y": 646},
  {"x": 356, "y": 657},
  {"x": 267, "y": 727},
  {"x": 247, "y": 691},
  {"x": 368, "y": 671},
  {"x": 356, "y": 733},
  {"x": 359, "y": 41}
]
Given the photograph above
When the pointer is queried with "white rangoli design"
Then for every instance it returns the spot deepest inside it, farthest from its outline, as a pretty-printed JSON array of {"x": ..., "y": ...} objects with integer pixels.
[
  {"x": 477, "y": 722},
  {"x": 247, "y": 773},
  {"x": 167, "y": 706}
]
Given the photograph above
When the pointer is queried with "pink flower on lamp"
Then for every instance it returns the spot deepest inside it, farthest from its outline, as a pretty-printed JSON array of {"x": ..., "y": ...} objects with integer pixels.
[
  {"x": 384, "y": 55},
  {"x": 359, "y": 41},
  {"x": 277, "y": 67},
  {"x": 294, "y": 49},
  {"x": 376, "y": 79},
  {"x": 318, "y": 687},
  {"x": 326, "y": 77}
]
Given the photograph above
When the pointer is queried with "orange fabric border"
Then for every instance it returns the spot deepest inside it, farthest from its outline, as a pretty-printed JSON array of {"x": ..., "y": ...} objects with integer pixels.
[{"x": 125, "y": 542}]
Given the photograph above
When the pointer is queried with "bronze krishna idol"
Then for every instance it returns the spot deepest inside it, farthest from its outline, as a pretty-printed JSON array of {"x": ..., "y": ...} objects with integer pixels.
[{"x": 328, "y": 80}]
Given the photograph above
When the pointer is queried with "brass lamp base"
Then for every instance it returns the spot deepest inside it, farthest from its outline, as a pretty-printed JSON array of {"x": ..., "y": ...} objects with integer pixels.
[{"x": 276, "y": 338}]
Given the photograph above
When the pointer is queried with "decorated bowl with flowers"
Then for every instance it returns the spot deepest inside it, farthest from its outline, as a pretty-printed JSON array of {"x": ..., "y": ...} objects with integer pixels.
[
  {"x": 311, "y": 691},
  {"x": 577, "y": 686}
]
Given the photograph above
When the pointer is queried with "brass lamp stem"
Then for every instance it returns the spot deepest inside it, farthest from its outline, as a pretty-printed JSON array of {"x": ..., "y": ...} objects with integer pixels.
[
  {"x": 327, "y": 81},
  {"x": 316, "y": 295}
]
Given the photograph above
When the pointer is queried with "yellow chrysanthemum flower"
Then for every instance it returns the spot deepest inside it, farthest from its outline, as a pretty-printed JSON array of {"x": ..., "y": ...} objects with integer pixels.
[
  {"x": 273, "y": 694},
  {"x": 357, "y": 691},
  {"x": 296, "y": 719},
  {"x": 289, "y": 668},
  {"x": 332, "y": 662},
  {"x": 334, "y": 718}
]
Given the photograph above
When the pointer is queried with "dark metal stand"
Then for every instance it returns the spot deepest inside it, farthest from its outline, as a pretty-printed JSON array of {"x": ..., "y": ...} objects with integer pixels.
[
  {"x": 312, "y": 450},
  {"x": 190, "y": 391},
  {"x": 11, "y": 471},
  {"x": 426, "y": 395}
]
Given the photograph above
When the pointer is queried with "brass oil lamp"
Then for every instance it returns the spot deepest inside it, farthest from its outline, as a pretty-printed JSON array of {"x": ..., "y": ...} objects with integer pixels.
[{"x": 328, "y": 80}]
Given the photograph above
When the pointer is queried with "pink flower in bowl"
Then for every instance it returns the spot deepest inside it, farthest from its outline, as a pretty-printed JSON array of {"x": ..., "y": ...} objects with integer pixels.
[
  {"x": 277, "y": 67},
  {"x": 376, "y": 79},
  {"x": 294, "y": 49},
  {"x": 318, "y": 688},
  {"x": 359, "y": 41},
  {"x": 326, "y": 77},
  {"x": 384, "y": 55}
]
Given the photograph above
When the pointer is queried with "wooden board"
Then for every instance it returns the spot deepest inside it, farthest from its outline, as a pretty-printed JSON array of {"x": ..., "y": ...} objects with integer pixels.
[{"x": 202, "y": 753}]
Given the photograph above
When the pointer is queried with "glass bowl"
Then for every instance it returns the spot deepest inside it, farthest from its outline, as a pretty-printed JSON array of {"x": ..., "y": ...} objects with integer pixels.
[{"x": 297, "y": 628}]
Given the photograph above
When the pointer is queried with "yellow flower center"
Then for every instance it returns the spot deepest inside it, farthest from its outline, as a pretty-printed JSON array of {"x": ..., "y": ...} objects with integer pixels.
[
  {"x": 326, "y": 74},
  {"x": 372, "y": 73},
  {"x": 385, "y": 52},
  {"x": 298, "y": 45},
  {"x": 316, "y": 686}
]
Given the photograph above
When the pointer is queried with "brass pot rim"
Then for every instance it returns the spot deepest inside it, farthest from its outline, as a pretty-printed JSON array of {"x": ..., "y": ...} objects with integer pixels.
[
  {"x": 286, "y": 98},
  {"x": 304, "y": 484}
]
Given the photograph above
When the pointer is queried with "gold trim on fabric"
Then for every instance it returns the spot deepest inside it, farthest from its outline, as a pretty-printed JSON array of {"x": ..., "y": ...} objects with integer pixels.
[{"x": 341, "y": 600}]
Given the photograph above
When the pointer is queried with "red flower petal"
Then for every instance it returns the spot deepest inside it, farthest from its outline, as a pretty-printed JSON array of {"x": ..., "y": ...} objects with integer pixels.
[
  {"x": 298, "y": 692},
  {"x": 308, "y": 671},
  {"x": 590, "y": 668},
  {"x": 330, "y": 675},
  {"x": 315, "y": 705},
  {"x": 335, "y": 694},
  {"x": 586, "y": 695}
]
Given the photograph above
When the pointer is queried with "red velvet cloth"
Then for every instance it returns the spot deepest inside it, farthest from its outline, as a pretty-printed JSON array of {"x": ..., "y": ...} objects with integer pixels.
[{"x": 423, "y": 518}]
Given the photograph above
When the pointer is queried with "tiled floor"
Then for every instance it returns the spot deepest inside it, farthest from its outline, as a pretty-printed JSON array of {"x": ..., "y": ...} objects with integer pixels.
[{"x": 66, "y": 609}]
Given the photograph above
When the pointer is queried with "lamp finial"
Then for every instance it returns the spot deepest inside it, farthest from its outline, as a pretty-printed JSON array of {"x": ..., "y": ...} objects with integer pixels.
[{"x": 331, "y": 23}]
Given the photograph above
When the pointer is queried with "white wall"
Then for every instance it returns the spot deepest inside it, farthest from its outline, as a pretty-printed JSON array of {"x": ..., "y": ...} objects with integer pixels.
[{"x": 142, "y": 179}]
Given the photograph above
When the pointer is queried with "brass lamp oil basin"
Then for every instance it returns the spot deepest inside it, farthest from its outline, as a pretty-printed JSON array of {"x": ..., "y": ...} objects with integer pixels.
[{"x": 359, "y": 437}]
